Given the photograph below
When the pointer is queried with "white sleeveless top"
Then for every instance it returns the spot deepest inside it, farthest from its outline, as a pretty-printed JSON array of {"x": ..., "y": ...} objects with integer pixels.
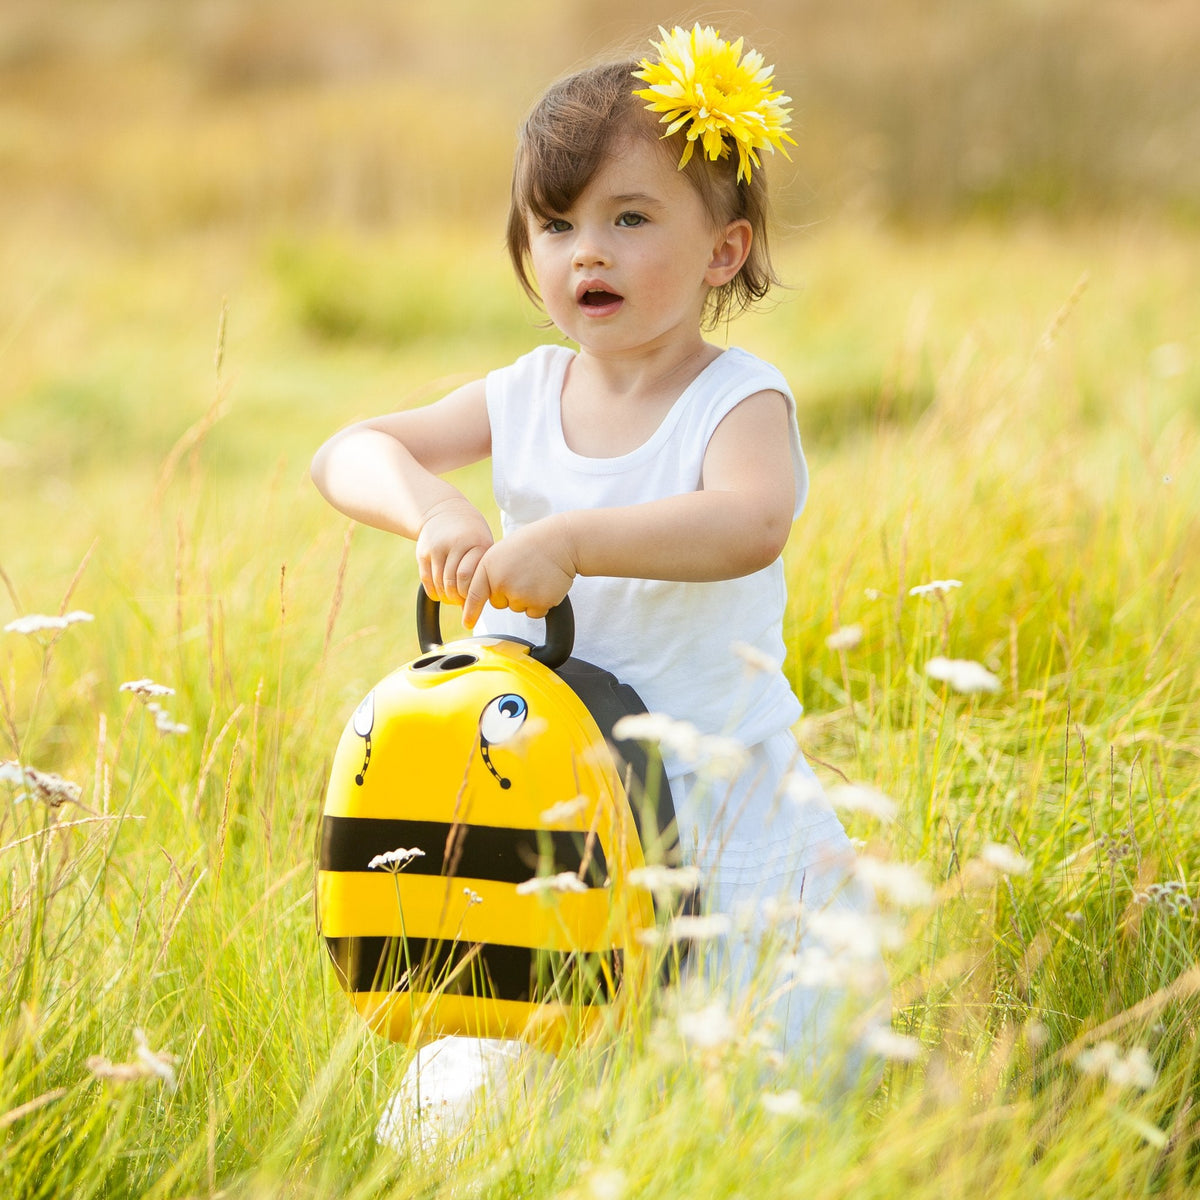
[{"x": 674, "y": 643}]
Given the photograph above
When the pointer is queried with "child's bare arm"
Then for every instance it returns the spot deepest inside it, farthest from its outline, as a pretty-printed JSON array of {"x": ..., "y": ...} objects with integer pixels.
[
  {"x": 385, "y": 472},
  {"x": 736, "y": 524}
]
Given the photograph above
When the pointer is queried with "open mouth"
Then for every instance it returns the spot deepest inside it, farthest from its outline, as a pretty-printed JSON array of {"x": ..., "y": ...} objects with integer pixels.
[{"x": 598, "y": 298}]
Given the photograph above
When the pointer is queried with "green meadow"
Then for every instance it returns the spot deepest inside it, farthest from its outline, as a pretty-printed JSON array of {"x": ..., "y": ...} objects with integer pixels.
[{"x": 208, "y": 267}]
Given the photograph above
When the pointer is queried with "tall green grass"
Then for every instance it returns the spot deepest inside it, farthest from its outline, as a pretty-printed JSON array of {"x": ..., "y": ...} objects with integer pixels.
[{"x": 972, "y": 412}]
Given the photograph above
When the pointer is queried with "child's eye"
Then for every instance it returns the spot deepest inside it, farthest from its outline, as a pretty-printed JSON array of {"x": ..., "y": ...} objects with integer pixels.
[
  {"x": 557, "y": 225},
  {"x": 631, "y": 220}
]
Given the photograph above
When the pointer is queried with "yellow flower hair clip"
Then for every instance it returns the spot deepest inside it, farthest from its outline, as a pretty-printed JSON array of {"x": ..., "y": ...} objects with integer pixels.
[{"x": 705, "y": 84}]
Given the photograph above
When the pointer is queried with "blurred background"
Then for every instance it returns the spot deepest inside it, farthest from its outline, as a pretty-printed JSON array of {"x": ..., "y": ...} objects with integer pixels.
[{"x": 141, "y": 118}]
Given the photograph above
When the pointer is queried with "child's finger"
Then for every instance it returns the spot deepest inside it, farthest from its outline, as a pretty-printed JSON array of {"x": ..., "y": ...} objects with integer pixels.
[
  {"x": 430, "y": 577},
  {"x": 449, "y": 580},
  {"x": 477, "y": 596},
  {"x": 465, "y": 570}
]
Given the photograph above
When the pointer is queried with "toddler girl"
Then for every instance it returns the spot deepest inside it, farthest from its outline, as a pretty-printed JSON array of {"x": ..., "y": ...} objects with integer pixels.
[{"x": 649, "y": 473}]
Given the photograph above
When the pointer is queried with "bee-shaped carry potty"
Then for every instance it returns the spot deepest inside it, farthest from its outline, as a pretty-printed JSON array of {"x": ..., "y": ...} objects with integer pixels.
[{"x": 478, "y": 833}]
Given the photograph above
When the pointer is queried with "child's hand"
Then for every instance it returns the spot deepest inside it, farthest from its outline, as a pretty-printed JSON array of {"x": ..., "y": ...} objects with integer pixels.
[
  {"x": 529, "y": 571},
  {"x": 454, "y": 538}
]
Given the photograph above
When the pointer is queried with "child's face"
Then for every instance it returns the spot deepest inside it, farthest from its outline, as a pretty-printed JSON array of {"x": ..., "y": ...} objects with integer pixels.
[{"x": 629, "y": 265}]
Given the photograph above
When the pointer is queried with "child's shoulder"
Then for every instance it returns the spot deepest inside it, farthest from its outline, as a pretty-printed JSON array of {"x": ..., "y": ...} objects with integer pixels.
[
  {"x": 529, "y": 384},
  {"x": 544, "y": 358},
  {"x": 739, "y": 369}
]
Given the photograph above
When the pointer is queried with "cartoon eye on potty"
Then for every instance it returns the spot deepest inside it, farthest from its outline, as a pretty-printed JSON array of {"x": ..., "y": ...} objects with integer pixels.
[
  {"x": 362, "y": 723},
  {"x": 424, "y": 897},
  {"x": 500, "y": 721}
]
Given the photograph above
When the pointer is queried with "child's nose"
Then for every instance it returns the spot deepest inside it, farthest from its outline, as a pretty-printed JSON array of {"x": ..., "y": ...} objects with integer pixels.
[{"x": 590, "y": 251}]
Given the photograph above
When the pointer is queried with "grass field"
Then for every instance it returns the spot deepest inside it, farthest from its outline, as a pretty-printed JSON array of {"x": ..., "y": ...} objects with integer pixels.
[
  {"x": 1018, "y": 412},
  {"x": 1014, "y": 406}
]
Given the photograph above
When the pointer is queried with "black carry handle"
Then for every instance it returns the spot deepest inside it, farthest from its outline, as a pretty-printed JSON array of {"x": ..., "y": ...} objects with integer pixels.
[{"x": 560, "y": 630}]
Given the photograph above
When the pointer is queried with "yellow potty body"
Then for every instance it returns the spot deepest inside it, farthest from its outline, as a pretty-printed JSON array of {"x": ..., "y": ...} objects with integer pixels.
[{"x": 477, "y": 837}]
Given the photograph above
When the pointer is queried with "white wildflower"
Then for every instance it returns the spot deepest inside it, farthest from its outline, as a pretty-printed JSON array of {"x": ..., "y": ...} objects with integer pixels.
[
  {"x": 36, "y": 622},
  {"x": 935, "y": 587},
  {"x": 872, "y": 593},
  {"x": 1133, "y": 1070},
  {"x": 395, "y": 860},
  {"x": 814, "y": 967},
  {"x": 1136, "y": 1071},
  {"x": 716, "y": 755},
  {"x": 902, "y": 883},
  {"x": 853, "y": 797},
  {"x": 1004, "y": 859},
  {"x": 755, "y": 659},
  {"x": 820, "y": 967},
  {"x": 854, "y": 934},
  {"x": 776, "y": 912},
  {"x": 163, "y": 722},
  {"x": 565, "y": 881},
  {"x": 564, "y": 810},
  {"x": 962, "y": 674},
  {"x": 689, "y": 928},
  {"x": 472, "y": 896},
  {"x": 1097, "y": 1059},
  {"x": 162, "y": 719},
  {"x": 147, "y": 689},
  {"x": 645, "y": 727},
  {"x": 886, "y": 1042},
  {"x": 665, "y": 881},
  {"x": 707, "y": 1028},
  {"x": 846, "y": 637},
  {"x": 786, "y": 1104},
  {"x": 676, "y": 737},
  {"x": 721, "y": 757},
  {"x": 51, "y": 789},
  {"x": 699, "y": 928},
  {"x": 802, "y": 787}
]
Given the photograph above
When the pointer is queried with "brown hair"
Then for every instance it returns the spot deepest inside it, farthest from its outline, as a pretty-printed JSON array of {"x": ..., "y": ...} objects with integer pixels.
[{"x": 566, "y": 138}]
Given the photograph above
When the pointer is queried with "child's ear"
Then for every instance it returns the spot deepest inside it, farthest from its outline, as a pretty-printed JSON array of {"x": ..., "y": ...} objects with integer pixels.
[{"x": 730, "y": 251}]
